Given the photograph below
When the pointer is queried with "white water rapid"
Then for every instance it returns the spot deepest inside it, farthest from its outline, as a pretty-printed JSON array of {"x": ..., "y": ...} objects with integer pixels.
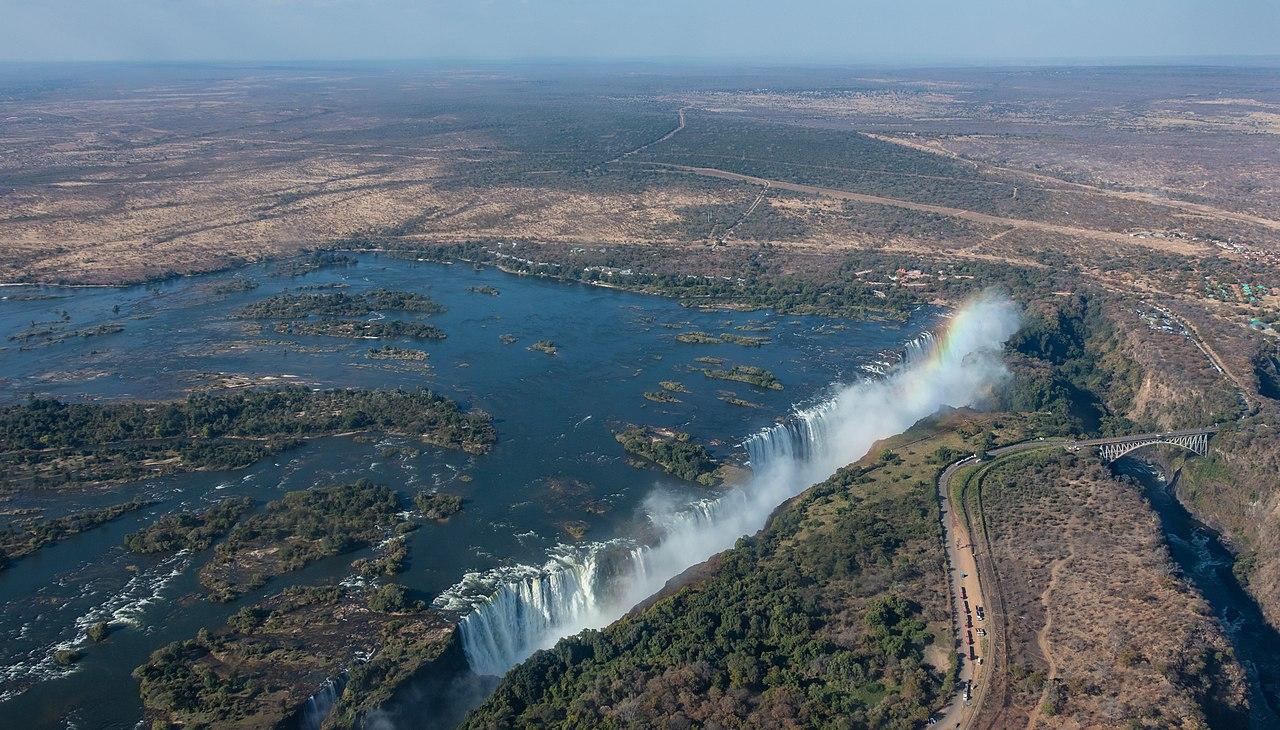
[{"x": 514, "y": 611}]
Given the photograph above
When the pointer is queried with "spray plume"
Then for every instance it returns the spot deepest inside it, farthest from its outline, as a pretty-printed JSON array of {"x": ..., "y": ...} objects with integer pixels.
[{"x": 517, "y": 610}]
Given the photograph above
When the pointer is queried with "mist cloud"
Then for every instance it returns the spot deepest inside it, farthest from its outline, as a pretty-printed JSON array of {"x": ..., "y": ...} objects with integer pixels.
[{"x": 519, "y": 609}]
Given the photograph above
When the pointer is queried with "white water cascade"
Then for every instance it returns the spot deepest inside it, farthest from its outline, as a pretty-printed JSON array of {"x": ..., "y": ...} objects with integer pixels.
[
  {"x": 513, "y": 611},
  {"x": 312, "y": 714},
  {"x": 516, "y": 610}
]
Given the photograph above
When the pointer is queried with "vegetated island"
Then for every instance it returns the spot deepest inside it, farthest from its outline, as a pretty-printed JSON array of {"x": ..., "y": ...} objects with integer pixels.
[
  {"x": 288, "y": 305},
  {"x": 361, "y": 330},
  {"x": 299, "y": 528},
  {"x": 839, "y": 294},
  {"x": 487, "y": 290},
  {"x": 576, "y": 529},
  {"x": 546, "y": 346},
  {"x": 660, "y": 396},
  {"x": 235, "y": 285},
  {"x": 673, "y": 386},
  {"x": 24, "y": 537},
  {"x": 438, "y": 506},
  {"x": 98, "y": 632},
  {"x": 251, "y": 672},
  {"x": 702, "y": 338},
  {"x": 389, "y": 560},
  {"x": 671, "y": 450},
  {"x": 697, "y": 338},
  {"x": 732, "y": 399},
  {"x": 744, "y": 340},
  {"x": 317, "y": 260},
  {"x": 402, "y": 354},
  {"x": 49, "y": 334},
  {"x": 46, "y": 443},
  {"x": 188, "y": 530},
  {"x": 749, "y": 374},
  {"x": 67, "y": 657}
]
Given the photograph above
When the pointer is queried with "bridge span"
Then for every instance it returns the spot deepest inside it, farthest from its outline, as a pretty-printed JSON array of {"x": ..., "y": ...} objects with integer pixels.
[{"x": 1109, "y": 449}]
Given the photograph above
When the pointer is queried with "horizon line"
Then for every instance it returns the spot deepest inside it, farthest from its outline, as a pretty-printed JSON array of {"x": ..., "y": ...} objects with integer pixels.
[{"x": 1256, "y": 60}]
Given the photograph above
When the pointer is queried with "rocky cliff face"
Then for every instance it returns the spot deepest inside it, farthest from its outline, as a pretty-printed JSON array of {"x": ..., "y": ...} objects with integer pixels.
[
  {"x": 1237, "y": 490},
  {"x": 1196, "y": 370},
  {"x": 1177, "y": 384}
]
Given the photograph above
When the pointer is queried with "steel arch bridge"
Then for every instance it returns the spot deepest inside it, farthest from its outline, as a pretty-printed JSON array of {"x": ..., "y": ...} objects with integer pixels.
[{"x": 1195, "y": 440}]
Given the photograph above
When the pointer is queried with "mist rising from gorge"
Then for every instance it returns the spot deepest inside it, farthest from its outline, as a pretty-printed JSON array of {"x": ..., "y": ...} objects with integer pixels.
[{"x": 519, "y": 609}]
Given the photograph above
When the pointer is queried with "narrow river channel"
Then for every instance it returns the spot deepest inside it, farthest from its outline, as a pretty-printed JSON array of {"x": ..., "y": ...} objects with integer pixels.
[{"x": 1205, "y": 560}]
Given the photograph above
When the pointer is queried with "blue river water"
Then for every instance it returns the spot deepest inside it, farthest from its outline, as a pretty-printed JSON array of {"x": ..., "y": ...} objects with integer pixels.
[{"x": 555, "y": 460}]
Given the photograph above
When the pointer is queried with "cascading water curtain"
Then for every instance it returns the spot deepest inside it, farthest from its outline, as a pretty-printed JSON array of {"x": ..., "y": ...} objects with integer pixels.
[{"x": 517, "y": 610}]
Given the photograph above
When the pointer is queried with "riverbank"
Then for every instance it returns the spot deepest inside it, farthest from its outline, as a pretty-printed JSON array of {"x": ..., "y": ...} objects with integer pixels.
[{"x": 1206, "y": 560}]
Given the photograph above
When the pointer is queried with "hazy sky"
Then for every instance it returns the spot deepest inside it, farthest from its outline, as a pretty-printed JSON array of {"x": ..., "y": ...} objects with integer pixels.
[{"x": 773, "y": 30}]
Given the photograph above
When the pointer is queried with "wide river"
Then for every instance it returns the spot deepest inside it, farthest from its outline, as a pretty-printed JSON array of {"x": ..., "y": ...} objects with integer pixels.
[{"x": 555, "y": 460}]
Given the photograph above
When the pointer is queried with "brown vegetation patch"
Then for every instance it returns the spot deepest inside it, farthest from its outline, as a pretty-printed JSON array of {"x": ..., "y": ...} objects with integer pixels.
[{"x": 1099, "y": 628}]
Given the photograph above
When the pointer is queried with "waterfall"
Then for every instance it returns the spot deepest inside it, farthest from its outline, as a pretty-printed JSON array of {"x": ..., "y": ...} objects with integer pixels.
[
  {"x": 919, "y": 349},
  {"x": 804, "y": 434},
  {"x": 697, "y": 515},
  {"x": 312, "y": 714},
  {"x": 799, "y": 438},
  {"x": 516, "y": 610},
  {"x": 513, "y": 611}
]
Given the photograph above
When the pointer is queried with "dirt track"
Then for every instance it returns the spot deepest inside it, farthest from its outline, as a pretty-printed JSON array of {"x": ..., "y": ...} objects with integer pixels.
[
  {"x": 1042, "y": 636},
  {"x": 961, "y": 213},
  {"x": 1184, "y": 206}
]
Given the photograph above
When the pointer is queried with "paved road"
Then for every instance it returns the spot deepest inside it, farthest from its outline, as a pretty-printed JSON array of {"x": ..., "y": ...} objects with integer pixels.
[
  {"x": 1132, "y": 437},
  {"x": 965, "y": 585},
  {"x": 961, "y": 573}
]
